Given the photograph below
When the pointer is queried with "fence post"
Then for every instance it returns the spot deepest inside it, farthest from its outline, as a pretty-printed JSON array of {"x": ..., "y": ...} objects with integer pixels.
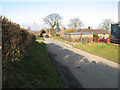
[
  {"x": 91, "y": 39},
  {"x": 108, "y": 40},
  {"x": 98, "y": 40}
]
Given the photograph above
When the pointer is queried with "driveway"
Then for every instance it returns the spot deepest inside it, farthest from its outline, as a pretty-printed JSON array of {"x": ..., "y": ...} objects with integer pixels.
[{"x": 89, "y": 70}]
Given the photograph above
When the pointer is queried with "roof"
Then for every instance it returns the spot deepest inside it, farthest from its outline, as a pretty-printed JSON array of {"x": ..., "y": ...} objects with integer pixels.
[
  {"x": 93, "y": 31},
  {"x": 77, "y": 33},
  {"x": 116, "y": 23}
]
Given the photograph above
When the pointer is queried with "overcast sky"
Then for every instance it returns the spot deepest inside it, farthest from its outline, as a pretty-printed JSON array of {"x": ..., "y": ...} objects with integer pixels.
[{"x": 90, "y": 12}]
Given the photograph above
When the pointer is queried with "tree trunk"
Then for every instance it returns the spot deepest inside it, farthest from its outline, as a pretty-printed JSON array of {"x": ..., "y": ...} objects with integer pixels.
[{"x": 52, "y": 31}]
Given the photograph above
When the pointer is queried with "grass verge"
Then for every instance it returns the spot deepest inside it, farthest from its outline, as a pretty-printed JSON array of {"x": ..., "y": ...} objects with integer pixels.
[
  {"x": 108, "y": 51},
  {"x": 39, "y": 38},
  {"x": 33, "y": 71},
  {"x": 58, "y": 38}
]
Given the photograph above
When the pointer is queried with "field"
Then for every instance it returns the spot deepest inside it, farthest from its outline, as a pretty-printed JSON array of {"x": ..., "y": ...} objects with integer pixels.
[
  {"x": 34, "y": 70},
  {"x": 108, "y": 51}
]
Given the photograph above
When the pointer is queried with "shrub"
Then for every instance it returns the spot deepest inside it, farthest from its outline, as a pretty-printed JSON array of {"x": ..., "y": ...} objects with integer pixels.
[{"x": 15, "y": 40}]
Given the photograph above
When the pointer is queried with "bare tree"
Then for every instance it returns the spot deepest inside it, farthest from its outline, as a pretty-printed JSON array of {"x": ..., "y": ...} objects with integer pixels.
[
  {"x": 52, "y": 20},
  {"x": 106, "y": 24},
  {"x": 75, "y": 23},
  {"x": 58, "y": 24}
]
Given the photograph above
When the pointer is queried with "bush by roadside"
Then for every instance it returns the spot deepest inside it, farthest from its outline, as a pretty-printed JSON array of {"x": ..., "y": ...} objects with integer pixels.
[{"x": 15, "y": 40}]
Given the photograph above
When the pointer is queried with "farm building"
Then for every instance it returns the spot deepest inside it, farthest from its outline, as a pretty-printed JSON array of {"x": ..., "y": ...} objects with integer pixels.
[
  {"x": 115, "y": 32},
  {"x": 103, "y": 34},
  {"x": 118, "y": 25},
  {"x": 78, "y": 36}
]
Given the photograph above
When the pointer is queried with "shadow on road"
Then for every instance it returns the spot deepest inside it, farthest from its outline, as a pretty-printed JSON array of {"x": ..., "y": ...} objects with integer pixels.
[
  {"x": 93, "y": 74},
  {"x": 67, "y": 77}
]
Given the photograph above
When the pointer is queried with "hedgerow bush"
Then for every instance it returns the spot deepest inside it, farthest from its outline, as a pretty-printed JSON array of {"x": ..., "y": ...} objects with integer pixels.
[{"x": 15, "y": 40}]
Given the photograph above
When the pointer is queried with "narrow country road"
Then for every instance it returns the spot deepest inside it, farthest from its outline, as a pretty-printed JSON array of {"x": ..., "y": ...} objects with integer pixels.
[{"x": 91, "y": 71}]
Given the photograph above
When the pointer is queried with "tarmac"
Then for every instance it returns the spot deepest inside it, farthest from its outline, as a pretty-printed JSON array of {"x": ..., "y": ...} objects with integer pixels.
[{"x": 88, "y": 70}]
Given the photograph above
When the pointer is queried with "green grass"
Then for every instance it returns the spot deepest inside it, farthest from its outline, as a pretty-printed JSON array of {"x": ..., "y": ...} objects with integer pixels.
[
  {"x": 58, "y": 38},
  {"x": 39, "y": 38},
  {"x": 106, "y": 51},
  {"x": 35, "y": 70}
]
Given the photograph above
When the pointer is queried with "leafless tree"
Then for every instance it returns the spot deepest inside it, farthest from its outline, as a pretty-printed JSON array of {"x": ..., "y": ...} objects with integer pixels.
[
  {"x": 75, "y": 23},
  {"x": 53, "y": 20},
  {"x": 106, "y": 24}
]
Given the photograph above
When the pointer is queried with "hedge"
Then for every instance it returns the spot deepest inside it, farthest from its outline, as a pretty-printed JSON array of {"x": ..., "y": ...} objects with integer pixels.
[{"x": 15, "y": 40}]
